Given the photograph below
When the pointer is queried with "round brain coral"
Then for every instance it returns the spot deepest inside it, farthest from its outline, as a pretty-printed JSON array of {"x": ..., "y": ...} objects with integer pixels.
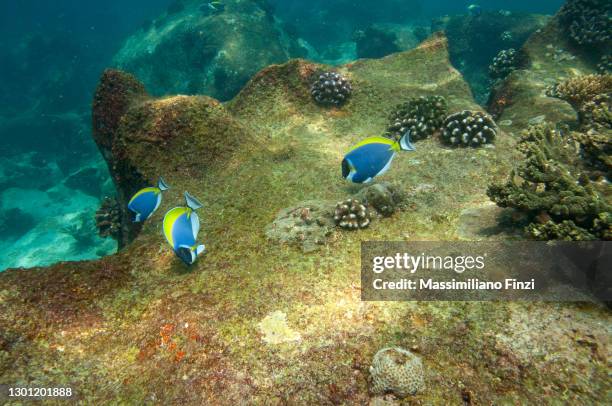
[
  {"x": 423, "y": 116},
  {"x": 468, "y": 129},
  {"x": 352, "y": 215},
  {"x": 396, "y": 371},
  {"x": 331, "y": 89}
]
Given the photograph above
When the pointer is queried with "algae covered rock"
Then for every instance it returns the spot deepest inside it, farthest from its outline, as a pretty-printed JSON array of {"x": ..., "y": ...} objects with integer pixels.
[
  {"x": 308, "y": 225},
  {"x": 552, "y": 187},
  {"x": 468, "y": 129},
  {"x": 383, "y": 197},
  {"x": 422, "y": 116},
  {"x": 396, "y": 371}
]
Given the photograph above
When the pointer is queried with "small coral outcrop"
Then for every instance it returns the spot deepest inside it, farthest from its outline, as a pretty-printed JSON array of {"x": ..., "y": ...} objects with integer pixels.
[
  {"x": 308, "y": 225},
  {"x": 552, "y": 186},
  {"x": 331, "y": 89},
  {"x": 108, "y": 218},
  {"x": 422, "y": 116},
  {"x": 587, "y": 22},
  {"x": 396, "y": 371},
  {"x": 351, "y": 214},
  {"x": 468, "y": 129},
  {"x": 504, "y": 63}
]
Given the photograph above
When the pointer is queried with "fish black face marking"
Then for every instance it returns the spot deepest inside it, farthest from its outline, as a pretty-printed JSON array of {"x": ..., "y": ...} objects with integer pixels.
[{"x": 345, "y": 168}]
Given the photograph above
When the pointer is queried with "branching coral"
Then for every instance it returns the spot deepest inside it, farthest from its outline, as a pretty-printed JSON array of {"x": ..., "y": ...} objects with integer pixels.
[
  {"x": 504, "y": 63},
  {"x": 587, "y": 21},
  {"x": 422, "y": 116},
  {"x": 552, "y": 186},
  {"x": 331, "y": 89},
  {"x": 352, "y": 215},
  {"x": 469, "y": 129},
  {"x": 605, "y": 64},
  {"x": 581, "y": 89}
]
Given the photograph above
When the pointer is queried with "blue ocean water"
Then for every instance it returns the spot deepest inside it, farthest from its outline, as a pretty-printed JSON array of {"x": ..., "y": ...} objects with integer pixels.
[{"x": 52, "y": 177}]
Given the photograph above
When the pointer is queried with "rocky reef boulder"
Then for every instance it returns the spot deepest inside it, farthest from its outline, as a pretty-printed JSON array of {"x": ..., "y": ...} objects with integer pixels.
[{"x": 191, "y": 50}]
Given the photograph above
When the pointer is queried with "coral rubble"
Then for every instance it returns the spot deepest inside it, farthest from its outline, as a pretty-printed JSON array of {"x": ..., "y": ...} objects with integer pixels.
[
  {"x": 331, "y": 89},
  {"x": 422, "y": 116},
  {"x": 351, "y": 214},
  {"x": 468, "y": 129},
  {"x": 396, "y": 371},
  {"x": 552, "y": 187}
]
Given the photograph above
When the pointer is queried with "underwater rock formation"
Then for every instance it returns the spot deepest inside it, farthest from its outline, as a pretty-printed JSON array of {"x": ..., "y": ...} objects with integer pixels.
[
  {"x": 331, "y": 89},
  {"x": 421, "y": 116},
  {"x": 194, "y": 52},
  {"x": 553, "y": 188},
  {"x": 374, "y": 42},
  {"x": 468, "y": 129},
  {"x": 587, "y": 22},
  {"x": 396, "y": 371},
  {"x": 504, "y": 63},
  {"x": 14, "y": 223},
  {"x": 108, "y": 218},
  {"x": 351, "y": 215}
]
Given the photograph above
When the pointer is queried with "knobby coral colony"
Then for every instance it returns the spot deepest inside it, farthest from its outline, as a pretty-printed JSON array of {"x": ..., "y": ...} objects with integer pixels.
[
  {"x": 421, "y": 116},
  {"x": 468, "y": 129},
  {"x": 331, "y": 89},
  {"x": 505, "y": 62},
  {"x": 108, "y": 218},
  {"x": 587, "y": 22},
  {"x": 352, "y": 215}
]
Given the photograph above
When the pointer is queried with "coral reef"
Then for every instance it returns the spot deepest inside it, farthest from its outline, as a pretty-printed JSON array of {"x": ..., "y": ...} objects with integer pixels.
[
  {"x": 331, "y": 89},
  {"x": 108, "y": 218},
  {"x": 552, "y": 187},
  {"x": 351, "y": 215},
  {"x": 422, "y": 116},
  {"x": 397, "y": 371},
  {"x": 468, "y": 129},
  {"x": 596, "y": 114},
  {"x": 587, "y": 22},
  {"x": 504, "y": 63}
]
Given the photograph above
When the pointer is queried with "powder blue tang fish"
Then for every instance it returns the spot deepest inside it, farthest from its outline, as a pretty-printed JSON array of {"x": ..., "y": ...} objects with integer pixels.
[
  {"x": 144, "y": 203},
  {"x": 181, "y": 226},
  {"x": 372, "y": 157}
]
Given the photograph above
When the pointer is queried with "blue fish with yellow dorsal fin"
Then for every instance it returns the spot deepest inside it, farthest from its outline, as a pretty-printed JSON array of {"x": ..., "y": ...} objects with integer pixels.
[
  {"x": 372, "y": 157},
  {"x": 144, "y": 202},
  {"x": 181, "y": 226}
]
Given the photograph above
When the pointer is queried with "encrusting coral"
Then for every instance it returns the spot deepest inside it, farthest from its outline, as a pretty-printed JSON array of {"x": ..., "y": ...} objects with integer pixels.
[
  {"x": 504, "y": 63},
  {"x": 587, "y": 21},
  {"x": 552, "y": 186},
  {"x": 352, "y": 215},
  {"x": 108, "y": 218},
  {"x": 469, "y": 129},
  {"x": 422, "y": 116},
  {"x": 396, "y": 371},
  {"x": 331, "y": 89}
]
